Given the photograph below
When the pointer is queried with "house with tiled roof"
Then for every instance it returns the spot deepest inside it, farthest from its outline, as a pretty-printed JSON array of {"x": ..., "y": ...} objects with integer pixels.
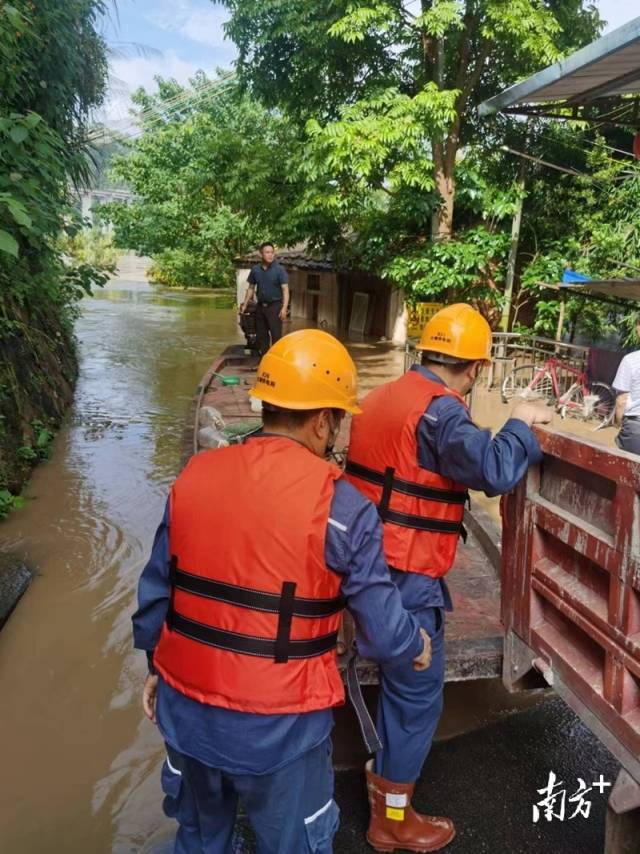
[{"x": 341, "y": 299}]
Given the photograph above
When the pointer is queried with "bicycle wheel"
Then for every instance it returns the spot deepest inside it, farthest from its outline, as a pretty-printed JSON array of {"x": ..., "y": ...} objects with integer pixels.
[
  {"x": 606, "y": 406},
  {"x": 599, "y": 405},
  {"x": 529, "y": 383}
]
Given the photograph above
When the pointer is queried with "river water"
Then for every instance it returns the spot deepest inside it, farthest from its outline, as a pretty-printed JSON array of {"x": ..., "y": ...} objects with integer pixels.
[{"x": 80, "y": 764}]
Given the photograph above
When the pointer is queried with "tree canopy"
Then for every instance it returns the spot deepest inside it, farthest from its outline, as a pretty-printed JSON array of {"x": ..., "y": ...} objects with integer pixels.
[
  {"x": 353, "y": 127},
  {"x": 398, "y": 170},
  {"x": 52, "y": 74},
  {"x": 209, "y": 173},
  {"x": 353, "y": 64}
]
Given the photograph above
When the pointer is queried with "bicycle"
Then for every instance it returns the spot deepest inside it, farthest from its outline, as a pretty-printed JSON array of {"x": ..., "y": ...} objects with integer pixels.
[{"x": 586, "y": 400}]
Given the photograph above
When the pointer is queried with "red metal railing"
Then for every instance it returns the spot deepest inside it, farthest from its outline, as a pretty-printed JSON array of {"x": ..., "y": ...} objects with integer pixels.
[{"x": 571, "y": 586}]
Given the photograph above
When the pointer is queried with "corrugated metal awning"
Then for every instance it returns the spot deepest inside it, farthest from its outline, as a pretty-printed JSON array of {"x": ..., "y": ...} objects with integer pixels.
[
  {"x": 605, "y": 68},
  {"x": 612, "y": 289}
]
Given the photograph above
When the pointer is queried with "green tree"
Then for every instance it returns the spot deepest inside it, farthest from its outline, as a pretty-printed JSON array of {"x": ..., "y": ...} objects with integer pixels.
[
  {"x": 397, "y": 163},
  {"x": 210, "y": 180},
  {"x": 587, "y": 222},
  {"x": 381, "y": 59},
  {"x": 52, "y": 74}
]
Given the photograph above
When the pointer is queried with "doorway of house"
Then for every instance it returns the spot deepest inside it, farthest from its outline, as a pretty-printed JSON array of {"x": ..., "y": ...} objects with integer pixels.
[{"x": 313, "y": 296}]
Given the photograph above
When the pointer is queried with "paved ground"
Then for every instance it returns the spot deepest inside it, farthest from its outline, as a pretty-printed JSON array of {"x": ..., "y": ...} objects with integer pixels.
[{"x": 487, "y": 780}]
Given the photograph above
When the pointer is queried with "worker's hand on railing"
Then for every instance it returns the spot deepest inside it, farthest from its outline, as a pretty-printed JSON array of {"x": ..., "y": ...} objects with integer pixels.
[
  {"x": 532, "y": 413},
  {"x": 424, "y": 659}
]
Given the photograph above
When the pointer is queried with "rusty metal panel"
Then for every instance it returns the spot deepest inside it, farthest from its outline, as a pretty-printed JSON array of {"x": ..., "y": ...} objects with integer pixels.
[{"x": 571, "y": 578}]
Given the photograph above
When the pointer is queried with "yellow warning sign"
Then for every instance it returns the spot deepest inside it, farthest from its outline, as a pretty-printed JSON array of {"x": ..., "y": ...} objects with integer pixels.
[{"x": 419, "y": 314}]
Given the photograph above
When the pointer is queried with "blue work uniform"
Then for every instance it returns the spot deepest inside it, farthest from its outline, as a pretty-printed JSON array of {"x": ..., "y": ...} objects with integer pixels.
[
  {"x": 450, "y": 444},
  {"x": 279, "y": 765}
]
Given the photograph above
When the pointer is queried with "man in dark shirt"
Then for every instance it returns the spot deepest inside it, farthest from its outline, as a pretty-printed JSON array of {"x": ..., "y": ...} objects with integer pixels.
[{"x": 271, "y": 282}]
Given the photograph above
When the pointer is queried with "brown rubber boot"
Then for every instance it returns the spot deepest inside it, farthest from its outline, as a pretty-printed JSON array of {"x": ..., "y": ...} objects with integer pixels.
[{"x": 395, "y": 825}]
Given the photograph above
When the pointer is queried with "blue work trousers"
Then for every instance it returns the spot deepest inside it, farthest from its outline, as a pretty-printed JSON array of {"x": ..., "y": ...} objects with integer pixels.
[
  {"x": 291, "y": 811},
  {"x": 410, "y": 706}
]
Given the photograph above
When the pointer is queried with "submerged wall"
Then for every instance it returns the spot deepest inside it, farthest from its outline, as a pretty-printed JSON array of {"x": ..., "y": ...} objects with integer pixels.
[{"x": 38, "y": 370}]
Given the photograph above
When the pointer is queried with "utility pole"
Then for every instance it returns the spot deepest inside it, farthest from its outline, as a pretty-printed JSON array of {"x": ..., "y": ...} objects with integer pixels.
[
  {"x": 561, "y": 319},
  {"x": 513, "y": 251}
]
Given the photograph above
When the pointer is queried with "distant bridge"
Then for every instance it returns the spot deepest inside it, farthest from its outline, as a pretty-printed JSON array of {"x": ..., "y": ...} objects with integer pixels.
[{"x": 89, "y": 199}]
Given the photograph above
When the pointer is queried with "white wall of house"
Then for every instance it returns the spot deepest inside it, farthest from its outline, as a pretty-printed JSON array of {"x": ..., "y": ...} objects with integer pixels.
[
  {"x": 328, "y": 301},
  {"x": 242, "y": 274},
  {"x": 397, "y": 317},
  {"x": 88, "y": 199}
]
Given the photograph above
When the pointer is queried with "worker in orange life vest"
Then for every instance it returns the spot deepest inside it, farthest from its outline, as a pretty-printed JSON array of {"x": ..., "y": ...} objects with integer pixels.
[
  {"x": 414, "y": 451},
  {"x": 240, "y": 621}
]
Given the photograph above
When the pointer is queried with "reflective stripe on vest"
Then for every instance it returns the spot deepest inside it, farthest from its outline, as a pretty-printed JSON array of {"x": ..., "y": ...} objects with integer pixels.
[
  {"x": 422, "y": 511},
  {"x": 254, "y": 610}
]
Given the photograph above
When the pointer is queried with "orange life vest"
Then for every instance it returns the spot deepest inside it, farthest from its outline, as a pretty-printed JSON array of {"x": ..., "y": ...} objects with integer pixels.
[
  {"x": 422, "y": 511},
  {"x": 254, "y": 612}
]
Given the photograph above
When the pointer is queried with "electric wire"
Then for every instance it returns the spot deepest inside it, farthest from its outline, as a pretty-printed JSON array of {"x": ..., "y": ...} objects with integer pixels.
[
  {"x": 539, "y": 160},
  {"x": 594, "y": 143},
  {"x": 185, "y": 94},
  {"x": 158, "y": 112},
  {"x": 575, "y": 146},
  {"x": 155, "y": 123}
]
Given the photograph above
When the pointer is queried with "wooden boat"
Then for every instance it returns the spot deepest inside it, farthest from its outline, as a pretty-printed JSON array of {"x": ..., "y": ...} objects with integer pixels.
[{"x": 474, "y": 635}]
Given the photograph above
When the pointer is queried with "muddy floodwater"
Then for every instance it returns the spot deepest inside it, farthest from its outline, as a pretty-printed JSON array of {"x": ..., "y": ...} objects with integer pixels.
[{"x": 80, "y": 764}]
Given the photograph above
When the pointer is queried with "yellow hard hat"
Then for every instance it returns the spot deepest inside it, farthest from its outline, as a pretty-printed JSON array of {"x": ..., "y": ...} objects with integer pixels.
[
  {"x": 457, "y": 332},
  {"x": 308, "y": 369}
]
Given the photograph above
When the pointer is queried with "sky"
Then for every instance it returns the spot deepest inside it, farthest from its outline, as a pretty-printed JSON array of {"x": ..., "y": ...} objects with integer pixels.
[{"x": 174, "y": 38}]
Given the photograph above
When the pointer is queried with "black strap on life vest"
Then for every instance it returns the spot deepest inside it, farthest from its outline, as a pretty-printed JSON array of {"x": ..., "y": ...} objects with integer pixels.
[
  {"x": 390, "y": 483},
  {"x": 420, "y": 523},
  {"x": 249, "y": 645},
  {"x": 286, "y": 605},
  {"x": 285, "y": 616},
  {"x": 406, "y": 487},
  {"x": 173, "y": 569},
  {"x": 387, "y": 489},
  {"x": 255, "y": 600}
]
